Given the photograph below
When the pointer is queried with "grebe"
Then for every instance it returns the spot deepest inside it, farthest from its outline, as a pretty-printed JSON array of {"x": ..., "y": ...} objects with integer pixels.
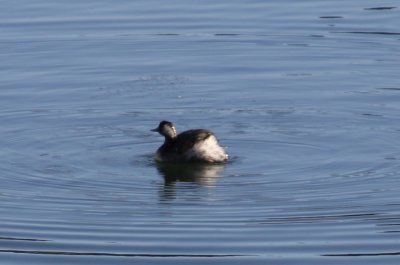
[{"x": 197, "y": 145}]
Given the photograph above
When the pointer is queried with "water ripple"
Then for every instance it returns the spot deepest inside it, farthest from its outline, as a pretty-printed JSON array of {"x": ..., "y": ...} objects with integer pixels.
[
  {"x": 66, "y": 253},
  {"x": 304, "y": 102}
]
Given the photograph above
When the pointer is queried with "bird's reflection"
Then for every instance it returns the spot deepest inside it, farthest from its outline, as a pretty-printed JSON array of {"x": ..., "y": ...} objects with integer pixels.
[{"x": 197, "y": 173}]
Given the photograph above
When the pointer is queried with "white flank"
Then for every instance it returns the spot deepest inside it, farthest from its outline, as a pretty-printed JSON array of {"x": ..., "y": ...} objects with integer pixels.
[{"x": 208, "y": 150}]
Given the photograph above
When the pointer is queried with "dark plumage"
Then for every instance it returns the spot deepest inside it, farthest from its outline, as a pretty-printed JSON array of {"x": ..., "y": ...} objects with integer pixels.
[{"x": 191, "y": 145}]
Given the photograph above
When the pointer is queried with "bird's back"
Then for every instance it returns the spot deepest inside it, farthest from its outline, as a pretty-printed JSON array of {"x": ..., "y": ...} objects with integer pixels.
[
  {"x": 192, "y": 145},
  {"x": 186, "y": 140}
]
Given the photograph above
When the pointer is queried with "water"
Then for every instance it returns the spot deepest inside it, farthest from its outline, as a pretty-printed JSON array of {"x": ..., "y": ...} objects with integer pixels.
[{"x": 303, "y": 94}]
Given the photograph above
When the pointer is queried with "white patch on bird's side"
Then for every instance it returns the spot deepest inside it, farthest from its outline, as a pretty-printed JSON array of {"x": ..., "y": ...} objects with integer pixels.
[{"x": 208, "y": 150}]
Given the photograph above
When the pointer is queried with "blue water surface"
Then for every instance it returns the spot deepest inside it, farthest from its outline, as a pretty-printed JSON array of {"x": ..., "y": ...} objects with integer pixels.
[{"x": 304, "y": 95}]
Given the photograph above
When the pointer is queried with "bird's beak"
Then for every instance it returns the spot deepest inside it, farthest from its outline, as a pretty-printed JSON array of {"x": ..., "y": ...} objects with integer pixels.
[{"x": 154, "y": 130}]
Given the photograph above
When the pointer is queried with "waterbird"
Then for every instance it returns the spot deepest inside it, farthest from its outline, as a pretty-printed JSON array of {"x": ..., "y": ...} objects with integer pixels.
[{"x": 197, "y": 145}]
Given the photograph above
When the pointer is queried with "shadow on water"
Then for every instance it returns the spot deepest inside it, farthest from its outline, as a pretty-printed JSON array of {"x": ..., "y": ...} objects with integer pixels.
[
  {"x": 198, "y": 173},
  {"x": 203, "y": 174}
]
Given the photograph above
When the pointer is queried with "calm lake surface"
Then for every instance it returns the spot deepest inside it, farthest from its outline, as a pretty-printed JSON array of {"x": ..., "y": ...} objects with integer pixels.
[{"x": 304, "y": 95}]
